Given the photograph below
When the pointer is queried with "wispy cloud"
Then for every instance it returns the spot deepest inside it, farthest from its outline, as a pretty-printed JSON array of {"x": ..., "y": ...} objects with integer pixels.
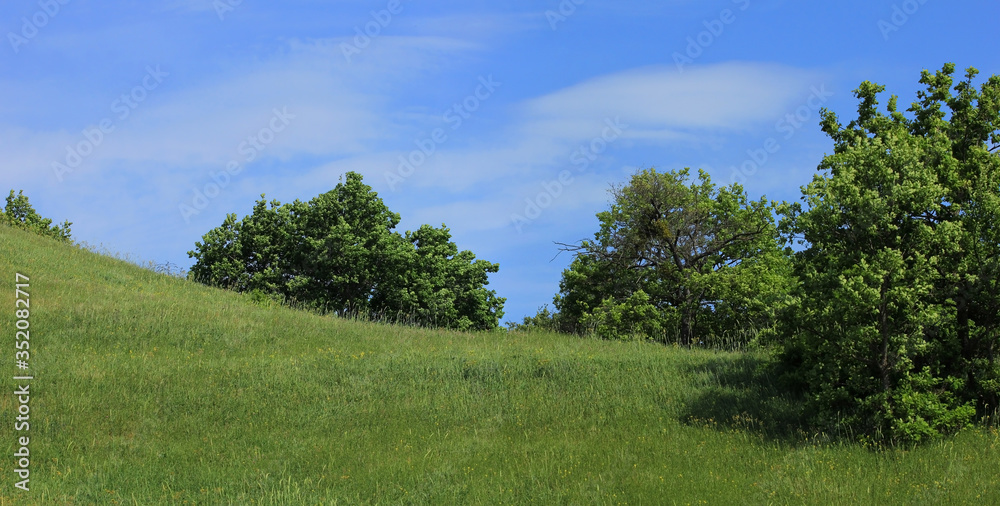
[
  {"x": 726, "y": 96},
  {"x": 660, "y": 106}
]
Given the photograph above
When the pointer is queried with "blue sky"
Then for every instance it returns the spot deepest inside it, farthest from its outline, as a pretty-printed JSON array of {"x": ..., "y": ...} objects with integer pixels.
[{"x": 145, "y": 123}]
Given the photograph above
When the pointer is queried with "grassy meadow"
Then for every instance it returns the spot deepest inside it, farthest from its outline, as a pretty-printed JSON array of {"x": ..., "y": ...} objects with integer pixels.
[{"x": 150, "y": 389}]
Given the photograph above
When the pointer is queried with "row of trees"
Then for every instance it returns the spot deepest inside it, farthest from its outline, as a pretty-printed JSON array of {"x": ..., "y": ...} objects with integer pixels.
[
  {"x": 881, "y": 288},
  {"x": 336, "y": 253},
  {"x": 339, "y": 253}
]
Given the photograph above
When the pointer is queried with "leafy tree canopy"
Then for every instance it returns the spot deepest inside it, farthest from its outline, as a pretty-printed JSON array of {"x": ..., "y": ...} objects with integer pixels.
[
  {"x": 19, "y": 213},
  {"x": 897, "y": 322},
  {"x": 677, "y": 261},
  {"x": 339, "y": 252}
]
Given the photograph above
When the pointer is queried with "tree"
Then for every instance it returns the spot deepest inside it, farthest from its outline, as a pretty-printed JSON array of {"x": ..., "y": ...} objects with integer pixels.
[
  {"x": 339, "y": 253},
  {"x": 18, "y": 213},
  {"x": 895, "y": 330},
  {"x": 342, "y": 249},
  {"x": 682, "y": 255},
  {"x": 441, "y": 285}
]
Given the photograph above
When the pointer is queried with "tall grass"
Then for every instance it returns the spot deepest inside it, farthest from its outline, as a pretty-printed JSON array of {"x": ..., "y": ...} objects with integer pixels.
[{"x": 151, "y": 389}]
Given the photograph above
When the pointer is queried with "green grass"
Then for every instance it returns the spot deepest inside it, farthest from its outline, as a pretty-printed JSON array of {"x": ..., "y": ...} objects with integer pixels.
[{"x": 153, "y": 390}]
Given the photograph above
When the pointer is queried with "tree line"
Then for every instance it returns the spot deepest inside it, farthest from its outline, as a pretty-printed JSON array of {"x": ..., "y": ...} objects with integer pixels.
[{"x": 880, "y": 288}]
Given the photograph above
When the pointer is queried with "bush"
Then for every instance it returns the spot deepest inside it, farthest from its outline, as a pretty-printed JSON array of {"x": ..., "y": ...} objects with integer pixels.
[
  {"x": 18, "y": 213},
  {"x": 894, "y": 332},
  {"x": 339, "y": 253}
]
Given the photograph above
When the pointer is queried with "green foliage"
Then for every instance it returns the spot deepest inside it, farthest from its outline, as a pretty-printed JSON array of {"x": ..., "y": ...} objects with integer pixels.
[
  {"x": 676, "y": 262},
  {"x": 439, "y": 284},
  {"x": 339, "y": 253},
  {"x": 544, "y": 320},
  {"x": 19, "y": 213},
  {"x": 584, "y": 286},
  {"x": 633, "y": 318},
  {"x": 161, "y": 391},
  {"x": 895, "y": 329},
  {"x": 265, "y": 299}
]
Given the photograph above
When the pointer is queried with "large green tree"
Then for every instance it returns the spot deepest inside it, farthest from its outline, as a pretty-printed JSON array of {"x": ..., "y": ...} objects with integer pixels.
[
  {"x": 895, "y": 332},
  {"x": 339, "y": 252},
  {"x": 676, "y": 260}
]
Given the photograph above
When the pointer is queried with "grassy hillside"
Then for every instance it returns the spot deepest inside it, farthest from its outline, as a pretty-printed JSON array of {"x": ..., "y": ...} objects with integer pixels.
[{"x": 153, "y": 390}]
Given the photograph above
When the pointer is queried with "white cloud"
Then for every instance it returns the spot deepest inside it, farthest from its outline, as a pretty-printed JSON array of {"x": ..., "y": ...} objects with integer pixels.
[
  {"x": 347, "y": 116},
  {"x": 727, "y": 96},
  {"x": 339, "y": 110},
  {"x": 654, "y": 105}
]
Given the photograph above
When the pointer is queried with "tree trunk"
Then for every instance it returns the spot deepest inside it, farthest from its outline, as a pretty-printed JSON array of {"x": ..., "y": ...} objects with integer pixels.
[
  {"x": 687, "y": 319},
  {"x": 687, "y": 327},
  {"x": 884, "y": 365}
]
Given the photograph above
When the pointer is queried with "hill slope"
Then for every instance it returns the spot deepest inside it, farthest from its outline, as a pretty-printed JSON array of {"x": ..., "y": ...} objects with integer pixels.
[{"x": 150, "y": 389}]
